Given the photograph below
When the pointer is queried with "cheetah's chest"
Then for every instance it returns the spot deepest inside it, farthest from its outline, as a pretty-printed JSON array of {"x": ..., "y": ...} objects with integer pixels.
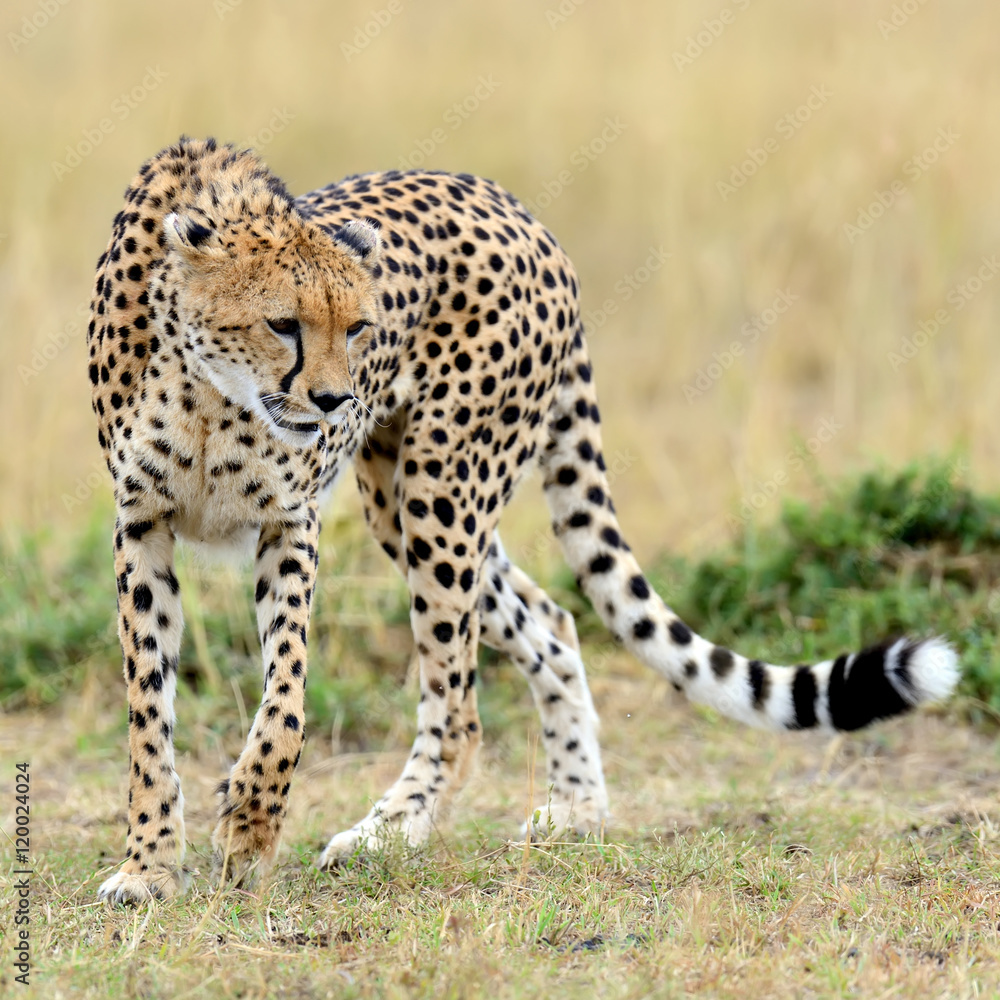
[{"x": 217, "y": 468}]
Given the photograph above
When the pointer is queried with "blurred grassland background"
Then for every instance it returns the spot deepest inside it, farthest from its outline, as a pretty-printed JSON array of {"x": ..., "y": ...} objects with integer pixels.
[
  {"x": 551, "y": 80},
  {"x": 741, "y": 480}
]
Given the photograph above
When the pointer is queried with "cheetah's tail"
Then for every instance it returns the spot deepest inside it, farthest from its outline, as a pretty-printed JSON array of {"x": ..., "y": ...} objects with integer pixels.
[{"x": 842, "y": 694}]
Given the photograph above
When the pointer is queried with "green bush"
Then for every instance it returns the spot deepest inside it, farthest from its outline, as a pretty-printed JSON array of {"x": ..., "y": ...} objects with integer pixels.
[{"x": 913, "y": 552}]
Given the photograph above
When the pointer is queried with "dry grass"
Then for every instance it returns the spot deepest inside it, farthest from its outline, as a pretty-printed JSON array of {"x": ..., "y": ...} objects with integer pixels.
[
  {"x": 655, "y": 186},
  {"x": 738, "y": 864},
  {"x": 696, "y": 891}
]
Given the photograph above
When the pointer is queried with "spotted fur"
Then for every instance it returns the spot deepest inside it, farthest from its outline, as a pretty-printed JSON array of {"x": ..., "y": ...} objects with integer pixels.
[{"x": 244, "y": 346}]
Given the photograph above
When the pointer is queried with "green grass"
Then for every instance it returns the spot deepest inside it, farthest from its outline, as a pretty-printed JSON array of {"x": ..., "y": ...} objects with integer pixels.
[
  {"x": 912, "y": 552},
  {"x": 737, "y": 863}
]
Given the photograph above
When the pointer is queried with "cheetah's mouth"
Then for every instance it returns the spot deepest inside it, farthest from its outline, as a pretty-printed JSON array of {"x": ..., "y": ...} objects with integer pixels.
[
  {"x": 276, "y": 411},
  {"x": 291, "y": 425}
]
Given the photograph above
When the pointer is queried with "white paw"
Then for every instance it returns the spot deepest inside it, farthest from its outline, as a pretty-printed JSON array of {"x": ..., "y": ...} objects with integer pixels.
[
  {"x": 343, "y": 848},
  {"x": 561, "y": 819},
  {"x": 375, "y": 834},
  {"x": 130, "y": 887}
]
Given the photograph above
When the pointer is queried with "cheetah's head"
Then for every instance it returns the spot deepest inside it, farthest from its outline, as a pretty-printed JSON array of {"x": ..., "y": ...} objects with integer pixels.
[{"x": 273, "y": 309}]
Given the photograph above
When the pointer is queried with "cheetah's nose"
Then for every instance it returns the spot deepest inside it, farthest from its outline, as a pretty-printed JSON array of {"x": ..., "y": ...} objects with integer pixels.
[{"x": 327, "y": 401}]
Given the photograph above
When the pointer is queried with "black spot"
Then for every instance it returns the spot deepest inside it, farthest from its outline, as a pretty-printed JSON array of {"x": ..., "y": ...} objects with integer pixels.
[
  {"x": 639, "y": 588},
  {"x": 444, "y": 511},
  {"x": 643, "y": 628},
  {"x": 721, "y": 660},
  {"x": 443, "y": 632},
  {"x": 611, "y": 537},
  {"x": 142, "y": 597},
  {"x": 679, "y": 632}
]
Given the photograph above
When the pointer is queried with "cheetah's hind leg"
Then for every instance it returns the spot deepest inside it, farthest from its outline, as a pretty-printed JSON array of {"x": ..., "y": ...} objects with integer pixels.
[{"x": 521, "y": 621}]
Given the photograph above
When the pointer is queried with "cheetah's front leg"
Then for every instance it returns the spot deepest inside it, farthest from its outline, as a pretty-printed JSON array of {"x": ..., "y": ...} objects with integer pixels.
[
  {"x": 255, "y": 795},
  {"x": 149, "y": 627}
]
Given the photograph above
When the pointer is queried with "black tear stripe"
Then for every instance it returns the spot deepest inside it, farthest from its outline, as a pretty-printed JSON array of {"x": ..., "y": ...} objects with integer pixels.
[{"x": 286, "y": 382}]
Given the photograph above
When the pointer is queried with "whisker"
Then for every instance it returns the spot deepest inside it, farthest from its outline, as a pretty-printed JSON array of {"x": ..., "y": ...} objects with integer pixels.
[
  {"x": 371, "y": 412},
  {"x": 359, "y": 422}
]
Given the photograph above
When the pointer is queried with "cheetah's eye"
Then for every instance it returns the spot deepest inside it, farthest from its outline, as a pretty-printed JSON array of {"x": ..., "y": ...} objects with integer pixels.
[
  {"x": 355, "y": 328},
  {"x": 284, "y": 327}
]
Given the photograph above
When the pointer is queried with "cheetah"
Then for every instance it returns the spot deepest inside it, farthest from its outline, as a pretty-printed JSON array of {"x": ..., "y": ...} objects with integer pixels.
[{"x": 244, "y": 346}]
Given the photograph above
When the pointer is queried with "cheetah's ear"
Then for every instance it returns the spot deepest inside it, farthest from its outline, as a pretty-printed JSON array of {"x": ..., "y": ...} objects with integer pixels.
[
  {"x": 361, "y": 241},
  {"x": 195, "y": 242}
]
